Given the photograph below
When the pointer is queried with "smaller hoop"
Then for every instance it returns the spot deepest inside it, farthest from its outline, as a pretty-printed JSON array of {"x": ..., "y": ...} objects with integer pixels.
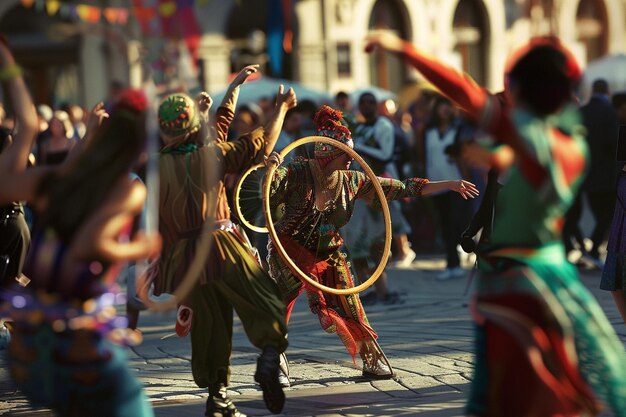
[{"x": 258, "y": 229}]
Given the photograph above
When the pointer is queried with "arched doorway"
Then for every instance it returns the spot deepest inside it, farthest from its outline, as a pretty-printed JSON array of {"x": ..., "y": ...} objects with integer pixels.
[
  {"x": 471, "y": 38},
  {"x": 592, "y": 28},
  {"x": 48, "y": 49},
  {"x": 386, "y": 70}
]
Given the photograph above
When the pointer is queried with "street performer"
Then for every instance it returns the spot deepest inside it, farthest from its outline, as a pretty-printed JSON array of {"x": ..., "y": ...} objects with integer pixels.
[
  {"x": 318, "y": 195},
  {"x": 232, "y": 277}
]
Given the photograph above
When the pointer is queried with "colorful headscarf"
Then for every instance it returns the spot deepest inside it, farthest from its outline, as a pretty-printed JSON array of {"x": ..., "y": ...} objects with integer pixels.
[
  {"x": 330, "y": 123},
  {"x": 178, "y": 119}
]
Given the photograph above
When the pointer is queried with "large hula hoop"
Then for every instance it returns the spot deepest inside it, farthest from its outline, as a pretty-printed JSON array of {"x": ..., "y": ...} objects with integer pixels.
[
  {"x": 279, "y": 247},
  {"x": 242, "y": 218}
]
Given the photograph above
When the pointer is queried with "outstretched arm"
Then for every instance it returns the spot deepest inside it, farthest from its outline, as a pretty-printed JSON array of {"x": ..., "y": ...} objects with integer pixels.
[
  {"x": 460, "y": 88},
  {"x": 481, "y": 106},
  {"x": 409, "y": 188}
]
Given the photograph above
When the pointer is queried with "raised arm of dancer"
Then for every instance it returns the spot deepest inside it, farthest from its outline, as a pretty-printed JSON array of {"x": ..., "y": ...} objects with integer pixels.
[
  {"x": 14, "y": 158},
  {"x": 459, "y": 87},
  {"x": 226, "y": 111},
  {"x": 481, "y": 106},
  {"x": 252, "y": 147},
  {"x": 285, "y": 101}
]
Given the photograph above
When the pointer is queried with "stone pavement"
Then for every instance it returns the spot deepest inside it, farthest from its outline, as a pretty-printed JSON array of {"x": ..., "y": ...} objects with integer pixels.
[{"x": 428, "y": 339}]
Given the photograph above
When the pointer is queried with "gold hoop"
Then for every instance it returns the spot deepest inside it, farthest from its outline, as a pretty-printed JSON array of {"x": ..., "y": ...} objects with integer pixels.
[
  {"x": 258, "y": 229},
  {"x": 279, "y": 247}
]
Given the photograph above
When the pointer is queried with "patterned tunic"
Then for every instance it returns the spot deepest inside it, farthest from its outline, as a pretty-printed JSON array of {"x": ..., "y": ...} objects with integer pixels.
[
  {"x": 185, "y": 194},
  {"x": 312, "y": 238}
]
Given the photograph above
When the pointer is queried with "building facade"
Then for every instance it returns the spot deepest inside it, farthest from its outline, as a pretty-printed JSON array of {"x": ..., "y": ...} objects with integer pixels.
[
  {"x": 80, "y": 60},
  {"x": 473, "y": 35}
]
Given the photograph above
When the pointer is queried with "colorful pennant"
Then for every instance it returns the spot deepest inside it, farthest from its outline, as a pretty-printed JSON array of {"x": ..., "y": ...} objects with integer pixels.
[{"x": 114, "y": 15}]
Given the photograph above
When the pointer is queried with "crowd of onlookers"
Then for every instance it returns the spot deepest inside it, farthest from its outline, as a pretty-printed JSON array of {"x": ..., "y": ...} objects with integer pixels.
[{"x": 423, "y": 134}]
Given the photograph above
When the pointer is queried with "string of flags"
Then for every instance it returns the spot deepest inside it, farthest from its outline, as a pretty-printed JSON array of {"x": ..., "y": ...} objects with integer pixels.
[{"x": 113, "y": 15}]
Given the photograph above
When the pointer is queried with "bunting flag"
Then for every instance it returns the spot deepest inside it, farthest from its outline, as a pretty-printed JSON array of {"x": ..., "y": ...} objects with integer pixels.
[
  {"x": 53, "y": 7},
  {"x": 144, "y": 11},
  {"x": 178, "y": 21}
]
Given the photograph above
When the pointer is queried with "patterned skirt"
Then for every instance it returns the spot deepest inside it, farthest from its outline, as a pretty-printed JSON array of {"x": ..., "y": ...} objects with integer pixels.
[
  {"x": 543, "y": 345},
  {"x": 343, "y": 315},
  {"x": 74, "y": 372}
]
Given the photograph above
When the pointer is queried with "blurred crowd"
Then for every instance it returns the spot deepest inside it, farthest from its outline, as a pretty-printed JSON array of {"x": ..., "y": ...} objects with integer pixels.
[{"x": 426, "y": 134}]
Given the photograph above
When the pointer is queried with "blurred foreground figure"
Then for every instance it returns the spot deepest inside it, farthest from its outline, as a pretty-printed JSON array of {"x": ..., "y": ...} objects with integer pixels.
[
  {"x": 64, "y": 353},
  {"x": 543, "y": 345}
]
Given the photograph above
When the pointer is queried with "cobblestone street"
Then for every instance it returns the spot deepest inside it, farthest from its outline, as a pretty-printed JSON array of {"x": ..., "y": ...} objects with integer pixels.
[{"x": 427, "y": 337}]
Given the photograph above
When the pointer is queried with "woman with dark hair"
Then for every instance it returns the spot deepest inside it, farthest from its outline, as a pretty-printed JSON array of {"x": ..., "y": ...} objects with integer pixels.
[
  {"x": 543, "y": 345},
  {"x": 319, "y": 195},
  {"x": 62, "y": 353}
]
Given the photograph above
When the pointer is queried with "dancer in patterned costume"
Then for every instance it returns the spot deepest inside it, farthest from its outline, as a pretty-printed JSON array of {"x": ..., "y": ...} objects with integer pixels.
[
  {"x": 231, "y": 278},
  {"x": 318, "y": 197},
  {"x": 543, "y": 345},
  {"x": 64, "y": 353}
]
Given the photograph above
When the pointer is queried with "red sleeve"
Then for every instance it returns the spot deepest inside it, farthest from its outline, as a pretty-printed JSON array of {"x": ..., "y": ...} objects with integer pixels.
[
  {"x": 481, "y": 106},
  {"x": 458, "y": 87}
]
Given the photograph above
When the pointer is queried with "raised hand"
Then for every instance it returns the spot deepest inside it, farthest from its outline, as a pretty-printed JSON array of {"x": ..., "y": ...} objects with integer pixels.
[
  {"x": 204, "y": 102},
  {"x": 465, "y": 188},
  {"x": 383, "y": 39},
  {"x": 288, "y": 99},
  {"x": 97, "y": 115},
  {"x": 244, "y": 74}
]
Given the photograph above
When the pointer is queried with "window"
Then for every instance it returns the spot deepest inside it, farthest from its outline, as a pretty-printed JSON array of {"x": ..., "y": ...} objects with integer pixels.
[{"x": 470, "y": 38}]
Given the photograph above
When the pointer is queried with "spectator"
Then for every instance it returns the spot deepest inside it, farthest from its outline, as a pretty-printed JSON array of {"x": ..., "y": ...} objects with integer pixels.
[{"x": 602, "y": 124}]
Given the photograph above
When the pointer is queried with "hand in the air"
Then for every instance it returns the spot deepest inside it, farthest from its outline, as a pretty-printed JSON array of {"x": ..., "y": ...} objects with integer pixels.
[
  {"x": 204, "y": 102},
  {"x": 383, "y": 39},
  {"x": 243, "y": 75},
  {"x": 288, "y": 99}
]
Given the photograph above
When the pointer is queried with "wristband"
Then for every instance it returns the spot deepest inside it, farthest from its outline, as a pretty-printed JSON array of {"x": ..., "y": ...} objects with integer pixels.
[{"x": 10, "y": 71}]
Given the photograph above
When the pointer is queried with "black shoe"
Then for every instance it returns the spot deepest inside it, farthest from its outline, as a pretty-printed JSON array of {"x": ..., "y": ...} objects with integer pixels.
[
  {"x": 219, "y": 405},
  {"x": 267, "y": 376}
]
